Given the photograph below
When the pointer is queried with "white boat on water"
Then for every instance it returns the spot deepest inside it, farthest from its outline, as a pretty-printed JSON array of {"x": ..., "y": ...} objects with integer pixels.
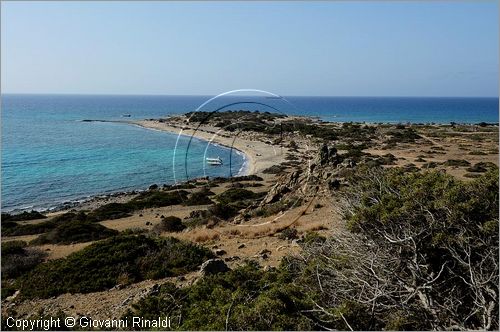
[{"x": 214, "y": 161}]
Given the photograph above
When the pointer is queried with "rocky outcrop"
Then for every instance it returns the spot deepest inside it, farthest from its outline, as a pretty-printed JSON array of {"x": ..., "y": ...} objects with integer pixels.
[
  {"x": 213, "y": 266},
  {"x": 328, "y": 156},
  {"x": 282, "y": 187}
]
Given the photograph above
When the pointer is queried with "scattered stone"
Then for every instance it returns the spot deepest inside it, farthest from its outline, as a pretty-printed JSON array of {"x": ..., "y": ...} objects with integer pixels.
[
  {"x": 155, "y": 290},
  {"x": 13, "y": 296},
  {"x": 220, "y": 252},
  {"x": 232, "y": 259},
  {"x": 127, "y": 300},
  {"x": 241, "y": 246},
  {"x": 264, "y": 252}
]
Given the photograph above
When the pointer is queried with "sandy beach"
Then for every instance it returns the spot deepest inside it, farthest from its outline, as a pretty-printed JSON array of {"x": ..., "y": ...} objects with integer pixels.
[{"x": 260, "y": 153}]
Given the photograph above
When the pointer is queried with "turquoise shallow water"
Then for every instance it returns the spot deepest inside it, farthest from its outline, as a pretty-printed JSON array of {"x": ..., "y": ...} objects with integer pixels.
[{"x": 50, "y": 156}]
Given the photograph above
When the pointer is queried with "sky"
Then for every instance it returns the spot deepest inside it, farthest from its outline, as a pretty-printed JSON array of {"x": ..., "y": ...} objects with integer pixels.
[{"x": 386, "y": 48}]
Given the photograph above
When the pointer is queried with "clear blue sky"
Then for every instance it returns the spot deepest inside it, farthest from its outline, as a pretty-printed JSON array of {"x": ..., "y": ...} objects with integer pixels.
[{"x": 292, "y": 48}]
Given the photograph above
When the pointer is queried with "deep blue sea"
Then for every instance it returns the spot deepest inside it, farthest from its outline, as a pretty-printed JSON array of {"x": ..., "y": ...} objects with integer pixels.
[{"x": 49, "y": 156}]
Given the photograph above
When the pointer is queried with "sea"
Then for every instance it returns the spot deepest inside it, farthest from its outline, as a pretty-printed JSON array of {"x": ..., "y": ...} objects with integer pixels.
[{"x": 51, "y": 156}]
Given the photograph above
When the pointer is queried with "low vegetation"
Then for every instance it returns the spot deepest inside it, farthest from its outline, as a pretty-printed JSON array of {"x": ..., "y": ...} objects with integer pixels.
[
  {"x": 11, "y": 228},
  {"x": 74, "y": 232},
  {"x": 402, "y": 134},
  {"x": 17, "y": 259},
  {"x": 201, "y": 197},
  {"x": 121, "y": 259},
  {"x": 456, "y": 162},
  {"x": 23, "y": 216},
  {"x": 243, "y": 299},
  {"x": 170, "y": 224},
  {"x": 147, "y": 199}
]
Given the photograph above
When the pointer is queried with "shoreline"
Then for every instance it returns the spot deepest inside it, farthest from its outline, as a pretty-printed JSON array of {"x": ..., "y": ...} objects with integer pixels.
[
  {"x": 249, "y": 149},
  {"x": 248, "y": 164},
  {"x": 256, "y": 152}
]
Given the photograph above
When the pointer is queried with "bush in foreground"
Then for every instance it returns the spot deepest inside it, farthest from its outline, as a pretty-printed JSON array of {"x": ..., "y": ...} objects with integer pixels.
[
  {"x": 17, "y": 259},
  {"x": 433, "y": 239},
  {"x": 120, "y": 259},
  {"x": 246, "y": 298}
]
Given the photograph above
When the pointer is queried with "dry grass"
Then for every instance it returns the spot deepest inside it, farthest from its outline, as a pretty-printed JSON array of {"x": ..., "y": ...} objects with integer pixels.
[{"x": 204, "y": 235}]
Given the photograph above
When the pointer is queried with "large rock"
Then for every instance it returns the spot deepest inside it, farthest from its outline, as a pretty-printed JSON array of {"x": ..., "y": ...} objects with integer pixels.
[
  {"x": 213, "y": 266},
  {"x": 281, "y": 188},
  {"x": 328, "y": 156},
  {"x": 323, "y": 155}
]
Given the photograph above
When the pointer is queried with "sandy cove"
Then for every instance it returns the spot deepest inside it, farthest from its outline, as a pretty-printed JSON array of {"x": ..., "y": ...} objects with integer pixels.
[{"x": 259, "y": 151}]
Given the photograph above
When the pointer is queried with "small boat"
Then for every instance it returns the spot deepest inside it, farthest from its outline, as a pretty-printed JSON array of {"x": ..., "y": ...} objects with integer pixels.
[
  {"x": 214, "y": 161},
  {"x": 126, "y": 115}
]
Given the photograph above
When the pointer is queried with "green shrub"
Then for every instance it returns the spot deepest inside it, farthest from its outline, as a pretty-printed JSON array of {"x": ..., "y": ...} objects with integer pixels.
[
  {"x": 147, "y": 199},
  {"x": 242, "y": 299},
  {"x": 112, "y": 211},
  {"x": 478, "y": 153},
  {"x": 481, "y": 167},
  {"x": 223, "y": 211},
  {"x": 237, "y": 194},
  {"x": 456, "y": 162},
  {"x": 18, "y": 259},
  {"x": 45, "y": 226},
  {"x": 170, "y": 224},
  {"x": 23, "y": 216},
  {"x": 312, "y": 237},
  {"x": 432, "y": 219},
  {"x": 15, "y": 229},
  {"x": 200, "y": 198},
  {"x": 75, "y": 232},
  {"x": 152, "y": 199},
  {"x": 101, "y": 265},
  {"x": 431, "y": 164},
  {"x": 400, "y": 135}
]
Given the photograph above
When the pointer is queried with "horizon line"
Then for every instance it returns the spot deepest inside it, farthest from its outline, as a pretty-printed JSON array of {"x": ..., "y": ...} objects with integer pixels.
[{"x": 208, "y": 95}]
